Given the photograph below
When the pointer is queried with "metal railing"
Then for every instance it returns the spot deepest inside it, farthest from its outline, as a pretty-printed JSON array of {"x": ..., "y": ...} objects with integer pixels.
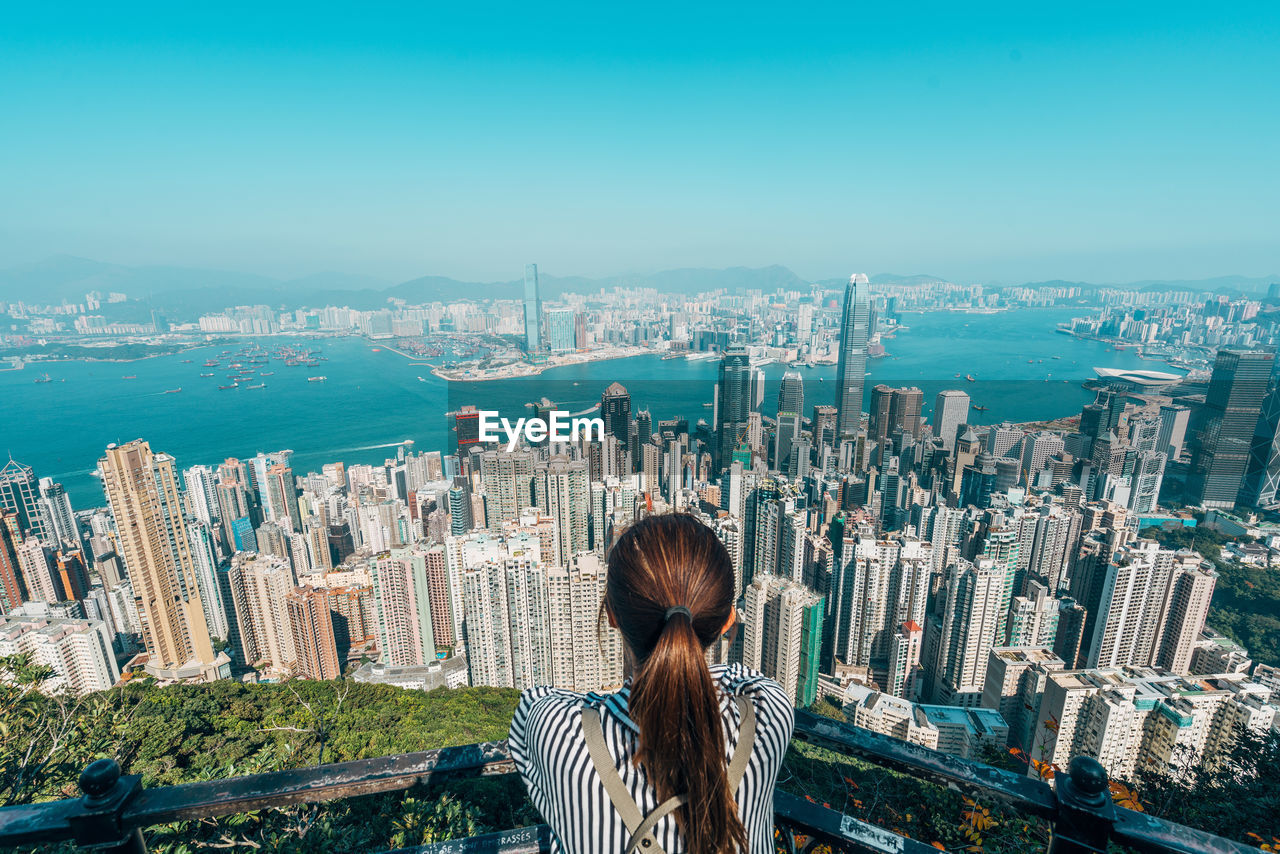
[{"x": 115, "y": 808}]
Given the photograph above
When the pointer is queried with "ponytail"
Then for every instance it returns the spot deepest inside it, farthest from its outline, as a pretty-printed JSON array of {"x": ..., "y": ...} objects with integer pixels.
[{"x": 670, "y": 590}]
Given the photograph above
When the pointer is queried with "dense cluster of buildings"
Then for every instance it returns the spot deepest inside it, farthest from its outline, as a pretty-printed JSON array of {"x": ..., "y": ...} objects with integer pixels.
[{"x": 955, "y": 585}]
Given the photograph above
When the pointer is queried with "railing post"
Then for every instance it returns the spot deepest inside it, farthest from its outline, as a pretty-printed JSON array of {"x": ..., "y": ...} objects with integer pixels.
[
  {"x": 1086, "y": 812},
  {"x": 106, "y": 794}
]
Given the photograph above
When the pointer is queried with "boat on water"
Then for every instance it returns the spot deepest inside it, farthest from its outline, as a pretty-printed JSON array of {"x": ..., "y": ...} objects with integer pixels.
[
  {"x": 422, "y": 379},
  {"x": 225, "y": 387},
  {"x": 130, "y": 377},
  {"x": 186, "y": 361},
  {"x": 45, "y": 378},
  {"x": 206, "y": 375},
  {"x": 259, "y": 385},
  {"x": 173, "y": 390},
  {"x": 322, "y": 379},
  {"x": 980, "y": 409},
  {"x": 971, "y": 378},
  {"x": 267, "y": 374}
]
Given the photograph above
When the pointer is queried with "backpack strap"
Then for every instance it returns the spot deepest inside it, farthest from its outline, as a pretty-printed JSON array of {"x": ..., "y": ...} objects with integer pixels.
[{"x": 641, "y": 827}]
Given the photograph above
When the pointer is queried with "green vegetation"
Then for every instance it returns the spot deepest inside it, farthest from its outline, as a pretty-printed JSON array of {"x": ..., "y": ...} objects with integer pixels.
[
  {"x": 1246, "y": 600},
  {"x": 188, "y": 733}
]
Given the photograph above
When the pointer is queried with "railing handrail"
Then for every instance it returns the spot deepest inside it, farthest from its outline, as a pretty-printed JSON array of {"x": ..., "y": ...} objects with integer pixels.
[{"x": 114, "y": 807}]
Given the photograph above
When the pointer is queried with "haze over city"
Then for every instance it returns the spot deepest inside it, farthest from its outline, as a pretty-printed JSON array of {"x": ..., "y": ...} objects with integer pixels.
[{"x": 1006, "y": 144}]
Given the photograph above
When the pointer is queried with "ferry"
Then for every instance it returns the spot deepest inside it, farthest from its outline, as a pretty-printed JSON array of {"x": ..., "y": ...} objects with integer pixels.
[{"x": 322, "y": 379}]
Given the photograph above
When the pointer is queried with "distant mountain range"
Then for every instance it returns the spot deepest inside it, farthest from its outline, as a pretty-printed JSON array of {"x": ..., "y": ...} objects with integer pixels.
[{"x": 184, "y": 291}]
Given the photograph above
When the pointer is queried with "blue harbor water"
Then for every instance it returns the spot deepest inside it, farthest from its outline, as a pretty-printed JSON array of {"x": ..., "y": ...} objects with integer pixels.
[{"x": 374, "y": 398}]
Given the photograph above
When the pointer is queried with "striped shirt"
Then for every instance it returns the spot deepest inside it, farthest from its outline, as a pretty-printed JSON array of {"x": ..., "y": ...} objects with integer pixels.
[{"x": 550, "y": 751}]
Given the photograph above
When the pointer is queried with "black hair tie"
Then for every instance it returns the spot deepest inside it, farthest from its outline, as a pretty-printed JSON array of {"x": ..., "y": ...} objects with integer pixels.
[{"x": 677, "y": 609}]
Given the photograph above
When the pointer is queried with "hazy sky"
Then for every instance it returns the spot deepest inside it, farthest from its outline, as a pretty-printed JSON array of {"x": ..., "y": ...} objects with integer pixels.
[{"x": 1017, "y": 143}]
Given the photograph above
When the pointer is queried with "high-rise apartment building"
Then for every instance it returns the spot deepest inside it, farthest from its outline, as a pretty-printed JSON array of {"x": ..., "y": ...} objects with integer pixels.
[
  {"x": 77, "y": 652},
  {"x": 142, "y": 490},
  {"x": 311, "y": 625},
  {"x": 851, "y": 369},
  {"x": 586, "y": 653},
  {"x": 402, "y": 599},
  {"x": 260, "y": 587},
  {"x": 967, "y": 630},
  {"x": 1151, "y": 607},
  {"x": 782, "y": 635}
]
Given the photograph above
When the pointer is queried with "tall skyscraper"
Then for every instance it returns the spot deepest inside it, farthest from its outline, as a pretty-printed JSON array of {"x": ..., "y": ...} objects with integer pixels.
[
  {"x": 782, "y": 634},
  {"x": 312, "y": 626},
  {"x": 790, "y": 410},
  {"x": 615, "y": 411},
  {"x": 561, "y": 330},
  {"x": 60, "y": 520},
  {"x": 142, "y": 491},
  {"x": 851, "y": 370},
  {"x": 13, "y": 590},
  {"x": 260, "y": 586},
  {"x": 1173, "y": 430},
  {"x": 950, "y": 410},
  {"x": 733, "y": 402},
  {"x": 586, "y": 655},
  {"x": 1262, "y": 474},
  {"x": 532, "y": 310},
  {"x": 402, "y": 597},
  {"x": 1151, "y": 607},
  {"x": 20, "y": 494},
  {"x": 1225, "y": 426},
  {"x": 968, "y": 630}
]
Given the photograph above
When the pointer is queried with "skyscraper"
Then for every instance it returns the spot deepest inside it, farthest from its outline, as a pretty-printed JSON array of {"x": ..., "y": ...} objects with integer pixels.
[
  {"x": 790, "y": 409},
  {"x": 782, "y": 634},
  {"x": 1225, "y": 426},
  {"x": 20, "y": 494},
  {"x": 12, "y": 589},
  {"x": 1262, "y": 474},
  {"x": 312, "y": 627},
  {"x": 733, "y": 402},
  {"x": 968, "y": 630},
  {"x": 1173, "y": 431},
  {"x": 851, "y": 371},
  {"x": 950, "y": 410},
  {"x": 615, "y": 411},
  {"x": 142, "y": 490},
  {"x": 532, "y": 310}
]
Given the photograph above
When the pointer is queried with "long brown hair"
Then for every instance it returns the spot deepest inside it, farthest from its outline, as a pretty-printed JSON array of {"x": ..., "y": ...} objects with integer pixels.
[{"x": 658, "y": 563}]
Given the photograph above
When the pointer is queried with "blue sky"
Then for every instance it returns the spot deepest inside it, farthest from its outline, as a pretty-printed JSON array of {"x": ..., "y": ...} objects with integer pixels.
[{"x": 1011, "y": 143}]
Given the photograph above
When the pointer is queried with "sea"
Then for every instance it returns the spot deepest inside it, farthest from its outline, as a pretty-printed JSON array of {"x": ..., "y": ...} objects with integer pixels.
[{"x": 374, "y": 399}]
